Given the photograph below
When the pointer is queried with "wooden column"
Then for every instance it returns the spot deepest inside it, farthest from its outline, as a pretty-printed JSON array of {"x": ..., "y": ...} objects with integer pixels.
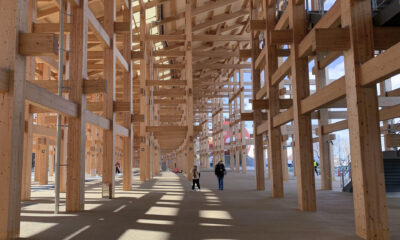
[
  {"x": 143, "y": 100},
  {"x": 189, "y": 87},
  {"x": 44, "y": 161},
  {"x": 27, "y": 163},
  {"x": 63, "y": 160},
  {"x": 127, "y": 96},
  {"x": 285, "y": 168},
  {"x": 242, "y": 124},
  {"x": 274, "y": 133},
  {"x": 13, "y": 20},
  {"x": 76, "y": 151},
  {"x": 109, "y": 98},
  {"x": 28, "y": 135},
  {"x": 258, "y": 139},
  {"x": 302, "y": 122},
  {"x": 323, "y": 139},
  {"x": 363, "y": 120}
]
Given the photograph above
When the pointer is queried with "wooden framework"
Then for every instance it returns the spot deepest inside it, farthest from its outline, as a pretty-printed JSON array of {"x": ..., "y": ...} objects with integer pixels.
[{"x": 144, "y": 93}]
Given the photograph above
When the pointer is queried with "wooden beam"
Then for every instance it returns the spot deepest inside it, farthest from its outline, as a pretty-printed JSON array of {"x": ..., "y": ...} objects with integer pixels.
[
  {"x": 96, "y": 120},
  {"x": 38, "y": 44},
  {"x": 212, "y": 38},
  {"x": 166, "y": 83},
  {"x": 89, "y": 86},
  {"x": 324, "y": 40},
  {"x": 166, "y": 129},
  {"x": 38, "y": 96},
  {"x": 98, "y": 29}
]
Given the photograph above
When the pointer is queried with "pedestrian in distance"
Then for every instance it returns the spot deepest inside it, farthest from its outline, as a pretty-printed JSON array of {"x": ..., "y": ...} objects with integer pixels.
[
  {"x": 220, "y": 172},
  {"x": 196, "y": 177},
  {"x": 316, "y": 167}
]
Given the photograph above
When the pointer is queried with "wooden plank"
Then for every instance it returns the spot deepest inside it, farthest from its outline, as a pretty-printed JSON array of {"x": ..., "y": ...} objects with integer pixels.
[
  {"x": 386, "y": 37},
  {"x": 89, "y": 86},
  {"x": 38, "y": 44},
  {"x": 169, "y": 101},
  {"x": 121, "y": 60},
  {"x": 220, "y": 19},
  {"x": 44, "y": 131},
  {"x": 282, "y": 71},
  {"x": 326, "y": 95},
  {"x": 38, "y": 96},
  {"x": 174, "y": 92},
  {"x": 320, "y": 40},
  {"x": 98, "y": 29},
  {"x": 120, "y": 130},
  {"x": 220, "y": 66},
  {"x": 212, "y": 38},
  {"x": 281, "y": 36},
  {"x": 97, "y": 120},
  {"x": 211, "y": 5},
  {"x": 381, "y": 67},
  {"x": 166, "y": 83},
  {"x": 262, "y": 128},
  {"x": 371, "y": 219},
  {"x": 166, "y": 128}
]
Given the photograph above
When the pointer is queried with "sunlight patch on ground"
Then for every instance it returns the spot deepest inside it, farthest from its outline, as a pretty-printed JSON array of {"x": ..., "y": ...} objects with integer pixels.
[
  {"x": 91, "y": 206},
  {"x": 214, "y": 225},
  {"x": 33, "y": 228},
  {"x": 172, "y": 198},
  {"x": 163, "y": 211},
  {"x": 154, "y": 221},
  {"x": 138, "y": 234},
  {"x": 215, "y": 214},
  {"x": 76, "y": 233},
  {"x": 120, "y": 208},
  {"x": 212, "y": 198},
  {"x": 168, "y": 203}
]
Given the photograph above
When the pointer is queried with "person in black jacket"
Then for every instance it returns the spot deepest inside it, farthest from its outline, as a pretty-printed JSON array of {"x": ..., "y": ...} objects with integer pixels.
[{"x": 220, "y": 173}]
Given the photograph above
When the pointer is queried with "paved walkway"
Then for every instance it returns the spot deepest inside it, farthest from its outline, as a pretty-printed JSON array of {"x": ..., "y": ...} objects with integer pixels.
[{"x": 166, "y": 209}]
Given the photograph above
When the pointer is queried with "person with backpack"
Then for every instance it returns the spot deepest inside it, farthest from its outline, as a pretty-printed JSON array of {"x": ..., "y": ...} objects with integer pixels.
[
  {"x": 220, "y": 173},
  {"x": 196, "y": 177}
]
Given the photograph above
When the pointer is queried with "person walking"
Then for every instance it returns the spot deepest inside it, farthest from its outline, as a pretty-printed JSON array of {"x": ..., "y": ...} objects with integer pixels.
[
  {"x": 316, "y": 167},
  {"x": 220, "y": 172},
  {"x": 196, "y": 177}
]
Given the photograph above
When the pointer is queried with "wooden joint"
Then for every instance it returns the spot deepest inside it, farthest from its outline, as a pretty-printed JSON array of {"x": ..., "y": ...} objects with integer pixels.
[{"x": 38, "y": 44}]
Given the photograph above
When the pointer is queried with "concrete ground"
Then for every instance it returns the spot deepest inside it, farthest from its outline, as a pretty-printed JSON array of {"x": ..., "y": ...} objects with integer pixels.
[{"x": 166, "y": 209}]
